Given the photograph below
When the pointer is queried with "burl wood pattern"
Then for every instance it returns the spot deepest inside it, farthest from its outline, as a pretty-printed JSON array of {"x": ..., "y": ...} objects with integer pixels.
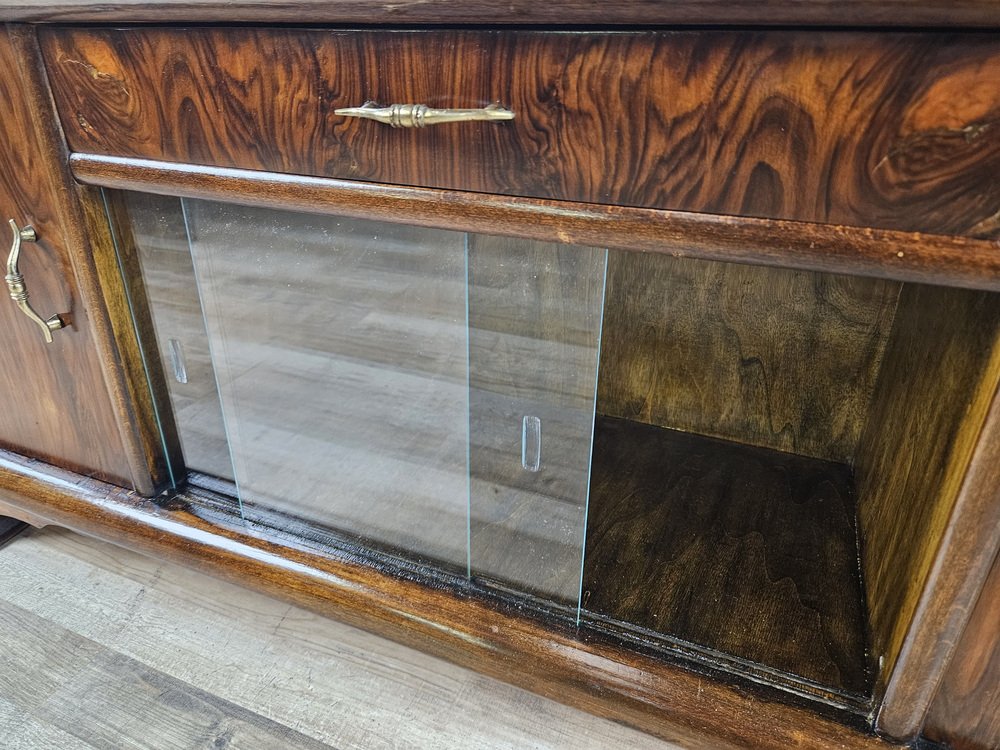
[
  {"x": 744, "y": 550},
  {"x": 654, "y": 695},
  {"x": 57, "y": 402},
  {"x": 895, "y": 130},
  {"x": 939, "y": 375},
  {"x": 770, "y": 357},
  {"x": 966, "y": 712}
]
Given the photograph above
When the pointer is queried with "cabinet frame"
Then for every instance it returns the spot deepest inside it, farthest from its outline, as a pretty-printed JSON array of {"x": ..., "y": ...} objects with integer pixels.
[{"x": 670, "y": 701}]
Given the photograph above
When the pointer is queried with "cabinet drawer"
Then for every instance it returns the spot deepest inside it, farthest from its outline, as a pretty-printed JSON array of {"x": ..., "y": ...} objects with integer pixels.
[{"x": 899, "y": 131}]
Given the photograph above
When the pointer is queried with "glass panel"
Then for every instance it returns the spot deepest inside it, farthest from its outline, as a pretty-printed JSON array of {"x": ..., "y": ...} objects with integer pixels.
[
  {"x": 168, "y": 276},
  {"x": 535, "y": 320},
  {"x": 342, "y": 360},
  {"x": 429, "y": 391}
]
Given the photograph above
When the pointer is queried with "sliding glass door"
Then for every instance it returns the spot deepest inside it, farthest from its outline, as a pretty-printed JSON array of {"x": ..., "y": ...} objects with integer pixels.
[{"x": 428, "y": 393}]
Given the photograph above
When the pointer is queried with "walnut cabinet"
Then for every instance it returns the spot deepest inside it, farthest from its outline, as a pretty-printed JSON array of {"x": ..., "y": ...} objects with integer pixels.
[{"x": 652, "y": 368}]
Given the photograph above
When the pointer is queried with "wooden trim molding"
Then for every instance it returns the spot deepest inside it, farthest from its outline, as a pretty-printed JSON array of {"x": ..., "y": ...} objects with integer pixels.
[
  {"x": 965, "y": 714},
  {"x": 904, "y": 256},
  {"x": 556, "y": 661},
  {"x": 961, "y": 567},
  {"x": 969, "y": 13},
  {"x": 91, "y": 249}
]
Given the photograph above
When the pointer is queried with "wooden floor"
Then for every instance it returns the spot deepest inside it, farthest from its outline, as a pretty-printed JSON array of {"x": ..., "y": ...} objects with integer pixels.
[
  {"x": 100, "y": 647},
  {"x": 747, "y": 551}
]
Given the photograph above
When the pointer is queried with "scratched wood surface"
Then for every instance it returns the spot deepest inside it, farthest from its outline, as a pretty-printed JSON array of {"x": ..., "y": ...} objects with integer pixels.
[
  {"x": 770, "y": 357},
  {"x": 893, "y": 130},
  {"x": 58, "y": 406},
  {"x": 102, "y": 647},
  {"x": 744, "y": 550}
]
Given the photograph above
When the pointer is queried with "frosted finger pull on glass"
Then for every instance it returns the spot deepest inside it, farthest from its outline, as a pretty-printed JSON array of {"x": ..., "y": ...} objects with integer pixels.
[{"x": 531, "y": 443}]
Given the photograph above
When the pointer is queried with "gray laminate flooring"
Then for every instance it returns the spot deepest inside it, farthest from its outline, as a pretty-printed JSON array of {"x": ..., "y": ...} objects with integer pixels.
[{"x": 104, "y": 648}]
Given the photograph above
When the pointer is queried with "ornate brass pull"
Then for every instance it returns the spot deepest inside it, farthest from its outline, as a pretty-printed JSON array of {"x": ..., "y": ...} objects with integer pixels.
[
  {"x": 15, "y": 282},
  {"x": 420, "y": 115}
]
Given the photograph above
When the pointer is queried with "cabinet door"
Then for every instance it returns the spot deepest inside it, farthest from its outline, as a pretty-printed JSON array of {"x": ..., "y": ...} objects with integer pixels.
[{"x": 56, "y": 403}]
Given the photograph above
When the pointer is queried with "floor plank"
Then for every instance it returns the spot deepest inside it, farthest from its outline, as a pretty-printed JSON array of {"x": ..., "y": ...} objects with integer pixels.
[{"x": 104, "y": 648}]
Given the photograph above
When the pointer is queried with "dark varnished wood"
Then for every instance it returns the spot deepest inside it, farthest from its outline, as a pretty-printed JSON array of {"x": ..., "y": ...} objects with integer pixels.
[
  {"x": 597, "y": 676},
  {"x": 93, "y": 254},
  {"x": 765, "y": 356},
  {"x": 927, "y": 475},
  {"x": 966, "y": 710},
  {"x": 115, "y": 256},
  {"x": 866, "y": 252},
  {"x": 21, "y": 514},
  {"x": 959, "y": 570},
  {"x": 748, "y": 551},
  {"x": 58, "y": 404},
  {"x": 893, "y": 130},
  {"x": 518, "y": 12}
]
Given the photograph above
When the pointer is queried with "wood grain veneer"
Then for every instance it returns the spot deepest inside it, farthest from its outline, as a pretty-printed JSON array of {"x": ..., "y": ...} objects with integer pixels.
[
  {"x": 771, "y": 357},
  {"x": 868, "y": 252},
  {"x": 956, "y": 579},
  {"x": 58, "y": 403},
  {"x": 586, "y": 672},
  {"x": 748, "y": 551},
  {"x": 966, "y": 710},
  {"x": 891, "y": 130},
  {"x": 518, "y": 12},
  {"x": 939, "y": 376}
]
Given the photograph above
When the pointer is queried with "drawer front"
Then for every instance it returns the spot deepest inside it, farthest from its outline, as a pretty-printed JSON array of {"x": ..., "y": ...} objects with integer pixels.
[{"x": 894, "y": 130}]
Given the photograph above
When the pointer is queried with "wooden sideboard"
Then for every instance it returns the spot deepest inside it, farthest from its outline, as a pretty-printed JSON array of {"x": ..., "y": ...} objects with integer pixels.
[{"x": 672, "y": 396}]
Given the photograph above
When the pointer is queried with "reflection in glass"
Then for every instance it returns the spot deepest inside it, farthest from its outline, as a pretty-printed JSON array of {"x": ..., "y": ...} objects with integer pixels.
[
  {"x": 535, "y": 323},
  {"x": 159, "y": 236},
  {"x": 425, "y": 391},
  {"x": 341, "y": 355}
]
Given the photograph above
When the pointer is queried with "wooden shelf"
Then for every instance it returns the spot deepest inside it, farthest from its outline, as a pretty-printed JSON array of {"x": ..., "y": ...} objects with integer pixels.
[{"x": 741, "y": 550}]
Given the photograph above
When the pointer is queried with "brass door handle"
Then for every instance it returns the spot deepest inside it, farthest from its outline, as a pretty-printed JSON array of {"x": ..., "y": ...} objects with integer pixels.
[
  {"x": 15, "y": 282},
  {"x": 420, "y": 115}
]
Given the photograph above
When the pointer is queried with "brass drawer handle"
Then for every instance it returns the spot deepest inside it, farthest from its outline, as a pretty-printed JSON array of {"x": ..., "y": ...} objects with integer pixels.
[
  {"x": 420, "y": 115},
  {"x": 15, "y": 282}
]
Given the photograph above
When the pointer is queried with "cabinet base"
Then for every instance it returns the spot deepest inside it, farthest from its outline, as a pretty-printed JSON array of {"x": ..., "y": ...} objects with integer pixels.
[{"x": 557, "y": 661}]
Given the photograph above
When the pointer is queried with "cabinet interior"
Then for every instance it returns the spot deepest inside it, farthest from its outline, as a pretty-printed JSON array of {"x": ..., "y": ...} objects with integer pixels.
[
  {"x": 792, "y": 528},
  {"x": 710, "y": 458}
]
